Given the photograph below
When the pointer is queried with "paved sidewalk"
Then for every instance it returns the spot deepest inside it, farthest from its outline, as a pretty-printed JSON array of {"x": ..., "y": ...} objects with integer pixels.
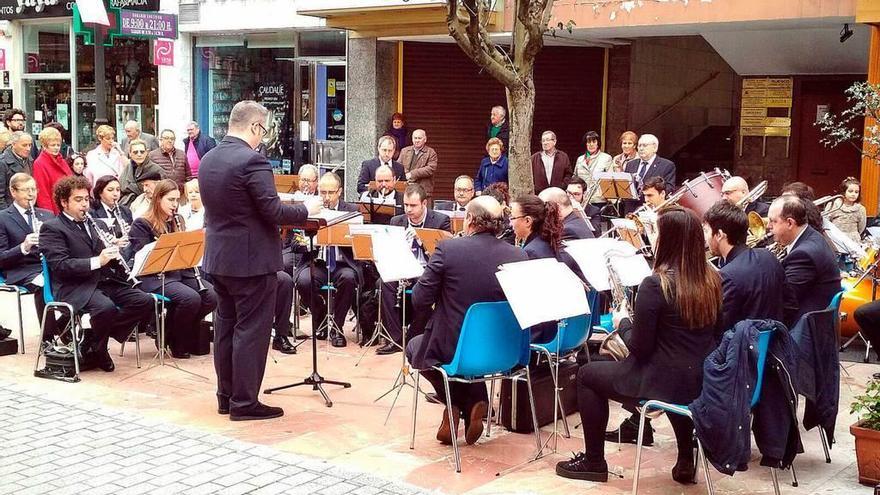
[{"x": 58, "y": 446}]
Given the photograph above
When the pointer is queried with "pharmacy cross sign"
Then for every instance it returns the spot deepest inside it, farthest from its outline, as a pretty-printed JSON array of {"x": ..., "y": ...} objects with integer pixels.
[{"x": 95, "y": 33}]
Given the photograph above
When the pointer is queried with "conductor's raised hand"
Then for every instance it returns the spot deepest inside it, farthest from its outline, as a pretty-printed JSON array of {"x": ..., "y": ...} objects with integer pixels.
[{"x": 314, "y": 204}]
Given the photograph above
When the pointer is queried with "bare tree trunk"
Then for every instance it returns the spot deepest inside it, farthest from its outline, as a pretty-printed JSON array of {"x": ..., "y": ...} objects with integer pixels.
[{"x": 521, "y": 111}]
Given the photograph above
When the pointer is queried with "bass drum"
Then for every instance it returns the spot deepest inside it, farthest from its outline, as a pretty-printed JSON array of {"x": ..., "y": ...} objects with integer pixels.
[
  {"x": 853, "y": 297},
  {"x": 701, "y": 192}
]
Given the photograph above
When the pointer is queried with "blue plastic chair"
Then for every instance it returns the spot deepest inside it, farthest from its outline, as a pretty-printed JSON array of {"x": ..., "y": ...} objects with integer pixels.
[
  {"x": 73, "y": 323},
  {"x": 491, "y": 345},
  {"x": 18, "y": 291},
  {"x": 683, "y": 410}
]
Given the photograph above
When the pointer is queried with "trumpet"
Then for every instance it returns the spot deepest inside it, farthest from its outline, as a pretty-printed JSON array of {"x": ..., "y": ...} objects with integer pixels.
[
  {"x": 613, "y": 345},
  {"x": 753, "y": 195},
  {"x": 109, "y": 240},
  {"x": 829, "y": 204},
  {"x": 179, "y": 227}
]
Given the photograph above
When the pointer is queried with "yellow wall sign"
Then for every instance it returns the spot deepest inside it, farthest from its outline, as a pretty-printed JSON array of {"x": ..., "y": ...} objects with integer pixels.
[
  {"x": 767, "y": 102},
  {"x": 754, "y": 112},
  {"x": 765, "y": 131}
]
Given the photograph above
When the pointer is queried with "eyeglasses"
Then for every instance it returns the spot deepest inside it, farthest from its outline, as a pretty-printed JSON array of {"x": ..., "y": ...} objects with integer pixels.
[
  {"x": 138, "y": 152},
  {"x": 263, "y": 129},
  {"x": 167, "y": 138},
  {"x": 460, "y": 190},
  {"x": 26, "y": 189},
  {"x": 517, "y": 218},
  {"x": 308, "y": 181}
]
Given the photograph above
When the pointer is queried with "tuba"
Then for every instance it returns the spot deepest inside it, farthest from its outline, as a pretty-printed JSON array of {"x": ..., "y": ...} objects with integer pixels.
[{"x": 613, "y": 345}]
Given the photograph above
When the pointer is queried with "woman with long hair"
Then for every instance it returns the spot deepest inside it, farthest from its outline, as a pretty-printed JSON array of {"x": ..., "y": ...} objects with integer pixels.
[
  {"x": 188, "y": 304},
  {"x": 105, "y": 204},
  {"x": 675, "y": 325},
  {"x": 77, "y": 163}
]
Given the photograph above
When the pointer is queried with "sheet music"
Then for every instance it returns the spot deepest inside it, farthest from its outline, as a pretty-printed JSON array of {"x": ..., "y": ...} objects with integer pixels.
[
  {"x": 542, "y": 290},
  {"x": 452, "y": 214},
  {"x": 378, "y": 200},
  {"x": 371, "y": 228},
  {"x": 619, "y": 176},
  {"x": 296, "y": 197},
  {"x": 394, "y": 257},
  {"x": 624, "y": 223},
  {"x": 590, "y": 255},
  {"x": 332, "y": 216},
  {"x": 141, "y": 256}
]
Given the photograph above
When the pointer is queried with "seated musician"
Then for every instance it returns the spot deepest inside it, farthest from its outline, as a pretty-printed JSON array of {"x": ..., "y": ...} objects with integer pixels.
[
  {"x": 677, "y": 315},
  {"x": 501, "y": 193},
  {"x": 85, "y": 273},
  {"x": 574, "y": 226},
  {"x": 735, "y": 188},
  {"x": 105, "y": 204},
  {"x": 417, "y": 216},
  {"x": 812, "y": 277},
  {"x": 384, "y": 194},
  {"x": 539, "y": 231},
  {"x": 20, "y": 240},
  {"x": 463, "y": 188},
  {"x": 461, "y": 272},
  {"x": 193, "y": 212},
  {"x": 147, "y": 181},
  {"x": 654, "y": 192},
  {"x": 752, "y": 280},
  {"x": 868, "y": 318},
  {"x": 340, "y": 264},
  {"x": 191, "y": 298},
  {"x": 577, "y": 188}
]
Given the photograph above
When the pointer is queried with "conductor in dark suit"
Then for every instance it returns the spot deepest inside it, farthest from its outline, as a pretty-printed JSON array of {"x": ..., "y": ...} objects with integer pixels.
[
  {"x": 461, "y": 272},
  {"x": 812, "y": 277},
  {"x": 550, "y": 166},
  {"x": 85, "y": 274},
  {"x": 340, "y": 263},
  {"x": 386, "y": 153},
  {"x": 417, "y": 216},
  {"x": 242, "y": 255},
  {"x": 647, "y": 165},
  {"x": 19, "y": 241},
  {"x": 752, "y": 280}
]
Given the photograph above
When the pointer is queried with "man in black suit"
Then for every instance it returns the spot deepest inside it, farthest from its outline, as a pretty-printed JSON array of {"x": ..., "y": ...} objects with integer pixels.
[
  {"x": 812, "y": 277},
  {"x": 752, "y": 280},
  {"x": 243, "y": 256},
  {"x": 574, "y": 226},
  {"x": 735, "y": 188},
  {"x": 384, "y": 194},
  {"x": 82, "y": 274},
  {"x": 19, "y": 242},
  {"x": 417, "y": 216},
  {"x": 343, "y": 270},
  {"x": 461, "y": 272},
  {"x": 647, "y": 165},
  {"x": 386, "y": 154}
]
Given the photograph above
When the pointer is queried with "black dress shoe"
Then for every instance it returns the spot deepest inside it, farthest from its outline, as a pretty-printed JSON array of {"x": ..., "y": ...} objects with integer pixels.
[
  {"x": 256, "y": 412},
  {"x": 338, "y": 340},
  {"x": 4, "y": 332},
  {"x": 389, "y": 348},
  {"x": 282, "y": 345},
  {"x": 102, "y": 360},
  {"x": 580, "y": 468},
  {"x": 321, "y": 334},
  {"x": 180, "y": 354},
  {"x": 628, "y": 432},
  {"x": 685, "y": 471},
  {"x": 222, "y": 405}
]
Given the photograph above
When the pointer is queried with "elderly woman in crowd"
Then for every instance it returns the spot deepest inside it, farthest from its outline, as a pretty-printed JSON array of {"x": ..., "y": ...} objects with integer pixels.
[
  {"x": 106, "y": 158},
  {"x": 49, "y": 167}
]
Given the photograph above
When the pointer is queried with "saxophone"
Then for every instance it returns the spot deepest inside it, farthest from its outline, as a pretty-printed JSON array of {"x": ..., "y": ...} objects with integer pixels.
[{"x": 613, "y": 345}]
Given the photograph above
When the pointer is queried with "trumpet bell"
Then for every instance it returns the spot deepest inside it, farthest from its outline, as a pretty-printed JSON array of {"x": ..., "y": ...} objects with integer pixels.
[{"x": 757, "y": 229}]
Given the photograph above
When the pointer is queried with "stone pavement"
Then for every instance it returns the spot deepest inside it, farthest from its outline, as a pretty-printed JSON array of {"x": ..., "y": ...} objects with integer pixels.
[{"x": 58, "y": 446}]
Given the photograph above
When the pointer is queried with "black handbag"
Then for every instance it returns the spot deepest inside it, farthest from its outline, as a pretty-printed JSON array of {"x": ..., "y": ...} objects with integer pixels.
[{"x": 516, "y": 414}]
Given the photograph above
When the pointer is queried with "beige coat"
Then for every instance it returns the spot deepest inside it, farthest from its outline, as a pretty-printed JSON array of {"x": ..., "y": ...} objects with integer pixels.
[{"x": 421, "y": 168}]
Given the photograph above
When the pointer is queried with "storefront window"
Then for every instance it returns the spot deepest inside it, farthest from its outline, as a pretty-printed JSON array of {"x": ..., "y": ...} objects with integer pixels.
[
  {"x": 47, "y": 101},
  {"x": 228, "y": 74},
  {"x": 46, "y": 48}
]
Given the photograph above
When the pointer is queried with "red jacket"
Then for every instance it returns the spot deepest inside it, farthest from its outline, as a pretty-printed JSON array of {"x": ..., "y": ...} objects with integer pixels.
[{"x": 48, "y": 170}]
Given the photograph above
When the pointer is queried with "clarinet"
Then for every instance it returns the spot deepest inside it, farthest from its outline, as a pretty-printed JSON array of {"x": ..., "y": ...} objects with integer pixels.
[
  {"x": 109, "y": 240},
  {"x": 180, "y": 228},
  {"x": 123, "y": 225}
]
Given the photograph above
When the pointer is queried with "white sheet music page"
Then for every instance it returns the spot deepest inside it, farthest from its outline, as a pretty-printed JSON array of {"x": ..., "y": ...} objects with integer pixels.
[
  {"x": 395, "y": 260},
  {"x": 542, "y": 290},
  {"x": 589, "y": 254},
  {"x": 140, "y": 258},
  {"x": 330, "y": 215}
]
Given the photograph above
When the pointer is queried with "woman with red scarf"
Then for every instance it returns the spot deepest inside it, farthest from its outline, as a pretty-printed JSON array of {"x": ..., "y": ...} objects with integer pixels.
[{"x": 49, "y": 167}]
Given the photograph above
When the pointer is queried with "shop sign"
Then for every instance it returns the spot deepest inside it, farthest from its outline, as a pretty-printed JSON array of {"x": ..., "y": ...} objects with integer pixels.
[
  {"x": 274, "y": 96},
  {"x": 148, "y": 24},
  {"x": 2, "y": 59},
  {"x": 766, "y": 131},
  {"x": 5, "y": 100},
  {"x": 35, "y": 9},
  {"x": 163, "y": 52}
]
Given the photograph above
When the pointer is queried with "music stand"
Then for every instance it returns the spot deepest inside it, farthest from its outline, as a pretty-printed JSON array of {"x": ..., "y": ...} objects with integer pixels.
[
  {"x": 336, "y": 235},
  {"x": 362, "y": 246},
  {"x": 399, "y": 186},
  {"x": 172, "y": 251},
  {"x": 617, "y": 186},
  {"x": 370, "y": 208},
  {"x": 312, "y": 227},
  {"x": 286, "y": 183},
  {"x": 431, "y": 237}
]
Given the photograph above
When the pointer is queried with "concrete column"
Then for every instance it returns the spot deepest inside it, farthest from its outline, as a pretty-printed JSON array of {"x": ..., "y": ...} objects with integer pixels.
[
  {"x": 371, "y": 98},
  {"x": 176, "y": 84}
]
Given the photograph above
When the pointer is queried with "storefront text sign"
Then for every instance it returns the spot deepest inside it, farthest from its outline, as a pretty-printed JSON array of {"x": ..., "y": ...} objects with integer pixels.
[
  {"x": 163, "y": 52},
  {"x": 34, "y": 9},
  {"x": 2, "y": 59},
  {"x": 765, "y": 109},
  {"x": 148, "y": 24}
]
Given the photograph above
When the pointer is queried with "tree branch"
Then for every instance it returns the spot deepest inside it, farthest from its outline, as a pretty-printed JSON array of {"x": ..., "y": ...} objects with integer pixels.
[{"x": 475, "y": 42}]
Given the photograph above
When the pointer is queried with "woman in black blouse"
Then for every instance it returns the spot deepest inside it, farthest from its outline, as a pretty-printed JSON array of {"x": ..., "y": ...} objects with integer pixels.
[
  {"x": 188, "y": 304},
  {"x": 677, "y": 315}
]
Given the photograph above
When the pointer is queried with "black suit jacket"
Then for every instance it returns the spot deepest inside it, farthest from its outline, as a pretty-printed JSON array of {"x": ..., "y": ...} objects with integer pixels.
[
  {"x": 660, "y": 167},
  {"x": 433, "y": 220},
  {"x": 753, "y": 286},
  {"x": 461, "y": 272},
  {"x": 383, "y": 219},
  {"x": 242, "y": 211},
  {"x": 537, "y": 248},
  {"x": 575, "y": 227},
  {"x": 68, "y": 251},
  {"x": 18, "y": 268},
  {"x": 812, "y": 276},
  {"x": 758, "y": 207},
  {"x": 98, "y": 211},
  {"x": 368, "y": 172}
]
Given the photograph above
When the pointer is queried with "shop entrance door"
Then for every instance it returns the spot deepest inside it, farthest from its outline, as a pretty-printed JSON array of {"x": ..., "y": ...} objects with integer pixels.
[{"x": 322, "y": 113}]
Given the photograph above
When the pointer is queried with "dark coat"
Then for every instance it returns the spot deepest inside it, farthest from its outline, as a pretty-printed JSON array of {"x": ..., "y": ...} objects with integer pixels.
[
  {"x": 758, "y": 207},
  {"x": 173, "y": 164},
  {"x": 368, "y": 172},
  {"x": 242, "y": 211},
  {"x": 461, "y": 272},
  {"x": 536, "y": 247},
  {"x": 819, "y": 368},
  {"x": 722, "y": 412},
  {"x": 490, "y": 173},
  {"x": 666, "y": 356},
  {"x": 140, "y": 235},
  {"x": 98, "y": 211},
  {"x": 344, "y": 257},
  {"x": 575, "y": 227},
  {"x": 68, "y": 251},
  {"x": 129, "y": 187},
  {"x": 11, "y": 164},
  {"x": 660, "y": 167},
  {"x": 18, "y": 268},
  {"x": 422, "y": 168},
  {"x": 812, "y": 276},
  {"x": 559, "y": 176},
  {"x": 203, "y": 144},
  {"x": 503, "y": 133},
  {"x": 753, "y": 285},
  {"x": 433, "y": 220}
]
